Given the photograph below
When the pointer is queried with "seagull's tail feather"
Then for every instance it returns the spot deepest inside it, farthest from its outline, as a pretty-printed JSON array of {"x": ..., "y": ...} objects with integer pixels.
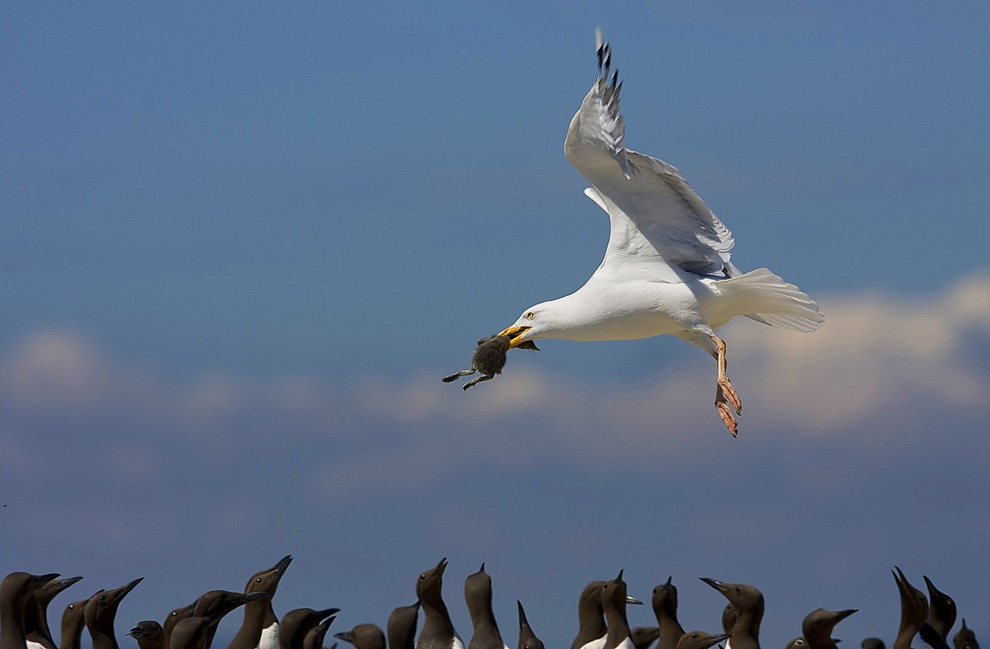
[{"x": 767, "y": 298}]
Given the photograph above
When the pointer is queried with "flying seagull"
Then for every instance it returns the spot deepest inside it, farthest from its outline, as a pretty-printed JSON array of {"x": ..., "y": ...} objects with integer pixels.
[{"x": 666, "y": 268}]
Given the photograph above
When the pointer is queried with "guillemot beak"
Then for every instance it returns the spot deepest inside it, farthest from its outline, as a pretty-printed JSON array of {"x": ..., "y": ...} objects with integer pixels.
[{"x": 514, "y": 333}]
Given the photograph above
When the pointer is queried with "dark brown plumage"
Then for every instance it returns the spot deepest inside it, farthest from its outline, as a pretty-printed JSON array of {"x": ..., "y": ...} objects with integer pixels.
[{"x": 489, "y": 359}]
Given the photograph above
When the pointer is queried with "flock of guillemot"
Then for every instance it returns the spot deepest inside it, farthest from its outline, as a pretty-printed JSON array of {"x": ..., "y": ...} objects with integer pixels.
[{"x": 24, "y": 600}]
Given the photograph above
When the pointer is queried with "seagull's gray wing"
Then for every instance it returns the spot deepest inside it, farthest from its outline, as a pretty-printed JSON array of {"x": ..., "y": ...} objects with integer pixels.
[{"x": 654, "y": 213}]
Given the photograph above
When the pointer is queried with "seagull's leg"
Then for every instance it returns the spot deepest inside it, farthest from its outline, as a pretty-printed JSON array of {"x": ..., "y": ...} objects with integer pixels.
[
  {"x": 478, "y": 379},
  {"x": 725, "y": 396},
  {"x": 724, "y": 385},
  {"x": 724, "y": 412},
  {"x": 453, "y": 377}
]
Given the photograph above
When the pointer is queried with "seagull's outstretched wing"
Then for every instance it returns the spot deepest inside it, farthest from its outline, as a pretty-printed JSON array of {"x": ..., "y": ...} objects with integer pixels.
[{"x": 654, "y": 213}]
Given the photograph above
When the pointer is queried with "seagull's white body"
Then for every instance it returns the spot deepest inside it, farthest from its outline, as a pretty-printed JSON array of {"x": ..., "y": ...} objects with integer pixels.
[{"x": 666, "y": 268}]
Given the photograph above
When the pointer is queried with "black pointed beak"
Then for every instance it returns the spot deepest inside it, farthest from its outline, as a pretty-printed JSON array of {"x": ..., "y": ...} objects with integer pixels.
[
  {"x": 714, "y": 583},
  {"x": 283, "y": 563},
  {"x": 933, "y": 592},
  {"x": 619, "y": 577},
  {"x": 719, "y": 638},
  {"x": 668, "y": 582},
  {"x": 522, "y": 615},
  {"x": 438, "y": 571},
  {"x": 44, "y": 579},
  {"x": 482, "y": 568},
  {"x": 346, "y": 636},
  {"x": 129, "y": 587},
  {"x": 843, "y": 614},
  {"x": 251, "y": 597},
  {"x": 902, "y": 583}
]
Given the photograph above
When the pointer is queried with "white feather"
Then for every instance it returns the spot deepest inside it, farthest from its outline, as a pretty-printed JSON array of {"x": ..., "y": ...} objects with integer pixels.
[{"x": 269, "y": 637}]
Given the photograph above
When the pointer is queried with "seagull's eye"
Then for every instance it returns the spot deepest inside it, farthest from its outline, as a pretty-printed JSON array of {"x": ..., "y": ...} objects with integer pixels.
[{"x": 530, "y": 315}]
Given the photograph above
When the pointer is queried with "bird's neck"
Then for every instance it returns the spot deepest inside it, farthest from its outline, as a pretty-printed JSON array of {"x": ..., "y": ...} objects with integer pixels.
[
  {"x": 258, "y": 615},
  {"x": 618, "y": 627},
  {"x": 436, "y": 619},
  {"x": 103, "y": 640},
  {"x": 746, "y": 630},
  {"x": 11, "y": 631},
  {"x": 483, "y": 617},
  {"x": 591, "y": 622},
  {"x": 71, "y": 634},
  {"x": 670, "y": 632}
]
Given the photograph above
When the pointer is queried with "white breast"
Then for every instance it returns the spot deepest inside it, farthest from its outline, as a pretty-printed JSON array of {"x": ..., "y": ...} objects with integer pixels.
[
  {"x": 595, "y": 644},
  {"x": 269, "y": 637},
  {"x": 34, "y": 645}
]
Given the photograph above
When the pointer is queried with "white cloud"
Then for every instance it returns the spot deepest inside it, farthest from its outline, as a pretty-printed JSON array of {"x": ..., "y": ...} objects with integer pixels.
[
  {"x": 54, "y": 368},
  {"x": 879, "y": 361}
]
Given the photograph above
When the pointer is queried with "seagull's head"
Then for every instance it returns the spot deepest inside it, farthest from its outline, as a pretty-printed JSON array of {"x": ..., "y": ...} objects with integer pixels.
[{"x": 535, "y": 322}]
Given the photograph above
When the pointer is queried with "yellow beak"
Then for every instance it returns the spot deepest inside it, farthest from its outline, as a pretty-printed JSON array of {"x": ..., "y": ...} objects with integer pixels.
[{"x": 514, "y": 333}]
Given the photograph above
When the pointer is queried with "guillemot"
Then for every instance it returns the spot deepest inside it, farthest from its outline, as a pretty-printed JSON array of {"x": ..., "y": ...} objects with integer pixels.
[
  {"x": 914, "y": 610},
  {"x": 438, "y": 631},
  {"x": 175, "y": 616},
  {"x": 73, "y": 623},
  {"x": 478, "y": 596},
  {"x": 297, "y": 623},
  {"x": 591, "y": 619},
  {"x": 197, "y": 631},
  {"x": 363, "y": 636},
  {"x": 817, "y": 627},
  {"x": 965, "y": 639},
  {"x": 220, "y": 603},
  {"x": 148, "y": 634},
  {"x": 746, "y": 613},
  {"x": 401, "y": 627},
  {"x": 16, "y": 590},
  {"x": 101, "y": 609},
  {"x": 527, "y": 638},
  {"x": 592, "y": 629},
  {"x": 37, "y": 632},
  {"x": 614, "y": 601},
  {"x": 259, "y": 630},
  {"x": 315, "y": 636},
  {"x": 941, "y": 617},
  {"x": 665, "y": 608}
]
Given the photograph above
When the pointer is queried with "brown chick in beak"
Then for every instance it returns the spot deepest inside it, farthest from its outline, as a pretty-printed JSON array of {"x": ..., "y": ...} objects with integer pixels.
[{"x": 489, "y": 359}]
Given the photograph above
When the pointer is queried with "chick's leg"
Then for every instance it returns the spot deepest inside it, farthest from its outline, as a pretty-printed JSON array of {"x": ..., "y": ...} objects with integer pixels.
[
  {"x": 454, "y": 377},
  {"x": 478, "y": 379}
]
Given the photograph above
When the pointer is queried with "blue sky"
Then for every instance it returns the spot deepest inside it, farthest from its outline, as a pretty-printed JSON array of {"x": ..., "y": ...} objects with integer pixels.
[{"x": 241, "y": 244}]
